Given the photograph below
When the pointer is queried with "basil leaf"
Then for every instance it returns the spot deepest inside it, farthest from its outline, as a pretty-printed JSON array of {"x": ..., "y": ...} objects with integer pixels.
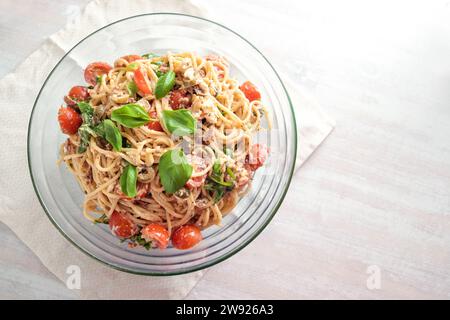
[
  {"x": 128, "y": 181},
  {"x": 174, "y": 170},
  {"x": 179, "y": 122},
  {"x": 132, "y": 88},
  {"x": 131, "y": 116},
  {"x": 112, "y": 134},
  {"x": 100, "y": 130},
  {"x": 165, "y": 84},
  {"x": 149, "y": 55}
]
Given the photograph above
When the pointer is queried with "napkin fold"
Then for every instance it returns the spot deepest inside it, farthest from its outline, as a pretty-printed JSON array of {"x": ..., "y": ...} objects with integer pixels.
[{"x": 19, "y": 206}]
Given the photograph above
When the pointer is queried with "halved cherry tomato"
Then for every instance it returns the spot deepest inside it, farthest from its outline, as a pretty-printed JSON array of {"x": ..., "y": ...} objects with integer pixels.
[
  {"x": 154, "y": 125},
  {"x": 179, "y": 99},
  {"x": 198, "y": 164},
  {"x": 156, "y": 233},
  {"x": 131, "y": 57},
  {"x": 250, "y": 91},
  {"x": 75, "y": 95},
  {"x": 139, "y": 79},
  {"x": 257, "y": 156},
  {"x": 69, "y": 120},
  {"x": 122, "y": 226},
  {"x": 95, "y": 69},
  {"x": 187, "y": 236}
]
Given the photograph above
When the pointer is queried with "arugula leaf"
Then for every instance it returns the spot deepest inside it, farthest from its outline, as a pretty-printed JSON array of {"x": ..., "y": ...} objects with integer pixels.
[
  {"x": 165, "y": 84},
  {"x": 128, "y": 181},
  {"x": 103, "y": 219},
  {"x": 216, "y": 183},
  {"x": 131, "y": 116},
  {"x": 218, "y": 191},
  {"x": 141, "y": 241},
  {"x": 174, "y": 170},
  {"x": 179, "y": 122},
  {"x": 85, "y": 108},
  {"x": 112, "y": 134},
  {"x": 231, "y": 173},
  {"x": 87, "y": 112},
  {"x": 85, "y": 133}
]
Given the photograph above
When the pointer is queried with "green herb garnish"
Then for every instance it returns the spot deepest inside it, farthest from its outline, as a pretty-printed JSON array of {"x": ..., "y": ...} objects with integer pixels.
[
  {"x": 179, "y": 122},
  {"x": 128, "y": 181},
  {"x": 174, "y": 170},
  {"x": 112, "y": 134},
  {"x": 216, "y": 183},
  {"x": 132, "y": 88},
  {"x": 85, "y": 133},
  {"x": 141, "y": 241},
  {"x": 131, "y": 116},
  {"x": 165, "y": 84},
  {"x": 103, "y": 219},
  {"x": 86, "y": 130}
]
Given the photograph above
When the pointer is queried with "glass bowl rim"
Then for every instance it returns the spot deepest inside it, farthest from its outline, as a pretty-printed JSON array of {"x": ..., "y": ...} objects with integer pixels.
[{"x": 208, "y": 263}]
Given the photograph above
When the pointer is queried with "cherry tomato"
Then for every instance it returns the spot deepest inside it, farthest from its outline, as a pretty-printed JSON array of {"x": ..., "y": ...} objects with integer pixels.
[
  {"x": 95, "y": 69},
  {"x": 157, "y": 234},
  {"x": 131, "y": 57},
  {"x": 122, "y": 226},
  {"x": 179, "y": 99},
  {"x": 75, "y": 95},
  {"x": 139, "y": 79},
  {"x": 154, "y": 125},
  {"x": 250, "y": 91},
  {"x": 257, "y": 156},
  {"x": 187, "y": 236},
  {"x": 198, "y": 164},
  {"x": 69, "y": 120}
]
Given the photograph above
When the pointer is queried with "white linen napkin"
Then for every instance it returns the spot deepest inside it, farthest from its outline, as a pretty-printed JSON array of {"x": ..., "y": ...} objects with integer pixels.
[{"x": 19, "y": 206}]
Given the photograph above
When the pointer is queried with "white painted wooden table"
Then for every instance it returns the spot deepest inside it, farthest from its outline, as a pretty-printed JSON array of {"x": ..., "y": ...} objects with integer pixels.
[{"x": 376, "y": 193}]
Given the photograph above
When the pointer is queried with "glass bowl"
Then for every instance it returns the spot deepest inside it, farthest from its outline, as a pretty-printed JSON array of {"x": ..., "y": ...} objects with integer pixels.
[{"x": 59, "y": 193}]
